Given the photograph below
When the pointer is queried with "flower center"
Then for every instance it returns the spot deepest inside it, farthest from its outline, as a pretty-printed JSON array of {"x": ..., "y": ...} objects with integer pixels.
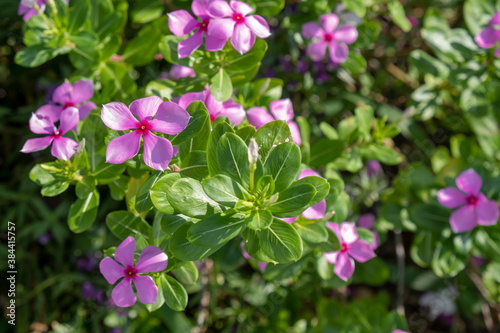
[
  {"x": 238, "y": 18},
  {"x": 328, "y": 37},
  {"x": 68, "y": 104},
  {"x": 144, "y": 127},
  {"x": 204, "y": 25},
  {"x": 472, "y": 200},
  {"x": 343, "y": 247},
  {"x": 130, "y": 272}
]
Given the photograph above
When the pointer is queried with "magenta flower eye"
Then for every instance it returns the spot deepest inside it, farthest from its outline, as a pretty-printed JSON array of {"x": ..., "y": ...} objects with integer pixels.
[
  {"x": 328, "y": 36},
  {"x": 351, "y": 248},
  {"x": 152, "y": 259},
  {"x": 472, "y": 206},
  {"x": 154, "y": 115}
]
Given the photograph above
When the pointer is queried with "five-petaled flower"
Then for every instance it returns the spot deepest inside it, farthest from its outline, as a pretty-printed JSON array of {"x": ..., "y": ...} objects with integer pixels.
[
  {"x": 489, "y": 36},
  {"x": 181, "y": 23},
  {"x": 350, "y": 247},
  {"x": 62, "y": 147},
  {"x": 233, "y": 111},
  {"x": 152, "y": 259},
  {"x": 233, "y": 21},
  {"x": 67, "y": 95},
  {"x": 314, "y": 212},
  {"x": 169, "y": 118},
  {"x": 329, "y": 36},
  {"x": 474, "y": 209}
]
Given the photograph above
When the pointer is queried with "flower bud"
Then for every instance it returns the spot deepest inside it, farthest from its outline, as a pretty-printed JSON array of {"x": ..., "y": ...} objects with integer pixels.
[{"x": 253, "y": 151}]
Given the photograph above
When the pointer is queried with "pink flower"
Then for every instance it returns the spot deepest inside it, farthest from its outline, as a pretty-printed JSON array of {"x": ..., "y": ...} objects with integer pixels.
[
  {"x": 474, "y": 209},
  {"x": 490, "y": 35},
  {"x": 262, "y": 265},
  {"x": 67, "y": 95},
  {"x": 169, "y": 118},
  {"x": 232, "y": 21},
  {"x": 373, "y": 168},
  {"x": 215, "y": 108},
  {"x": 181, "y": 23},
  {"x": 177, "y": 72},
  {"x": 314, "y": 212},
  {"x": 281, "y": 110},
  {"x": 27, "y": 8},
  {"x": 62, "y": 147},
  {"x": 350, "y": 247},
  {"x": 152, "y": 259},
  {"x": 326, "y": 36},
  {"x": 367, "y": 221}
]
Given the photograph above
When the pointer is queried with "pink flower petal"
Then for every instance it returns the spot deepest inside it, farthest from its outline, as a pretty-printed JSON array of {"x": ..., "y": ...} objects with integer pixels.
[
  {"x": 346, "y": 34},
  {"x": 282, "y": 109},
  {"x": 146, "y": 289},
  {"x": 36, "y": 144},
  {"x": 289, "y": 219},
  {"x": 82, "y": 91},
  {"x": 212, "y": 43},
  {"x": 240, "y": 7},
  {"x": 180, "y": 22},
  {"x": 258, "y": 116},
  {"x": 242, "y": 39},
  {"x": 124, "y": 253},
  {"x": 179, "y": 71},
  {"x": 41, "y": 124},
  {"x": 145, "y": 108},
  {"x": 463, "y": 219},
  {"x": 487, "y": 38},
  {"x": 245, "y": 253},
  {"x": 219, "y": 8},
  {"x": 308, "y": 173},
  {"x": 123, "y": 147},
  {"x": 315, "y": 212},
  {"x": 317, "y": 50},
  {"x": 62, "y": 94},
  {"x": 85, "y": 109},
  {"x": 189, "y": 98},
  {"x": 199, "y": 7},
  {"x": 221, "y": 28},
  {"x": 312, "y": 30},
  {"x": 117, "y": 116},
  {"x": 329, "y": 22},
  {"x": 331, "y": 257},
  {"x": 469, "y": 182},
  {"x": 294, "y": 130},
  {"x": 170, "y": 119},
  {"x": 233, "y": 111},
  {"x": 495, "y": 20},
  {"x": 69, "y": 119},
  {"x": 361, "y": 251},
  {"x": 189, "y": 45},
  {"x": 111, "y": 270},
  {"x": 366, "y": 221},
  {"x": 344, "y": 268},
  {"x": 53, "y": 112},
  {"x": 336, "y": 230},
  {"x": 376, "y": 241},
  {"x": 258, "y": 25},
  {"x": 152, "y": 259},
  {"x": 450, "y": 197},
  {"x": 348, "y": 232},
  {"x": 487, "y": 211},
  {"x": 158, "y": 151},
  {"x": 123, "y": 295},
  {"x": 63, "y": 148},
  {"x": 338, "y": 52},
  {"x": 262, "y": 266},
  {"x": 497, "y": 52}
]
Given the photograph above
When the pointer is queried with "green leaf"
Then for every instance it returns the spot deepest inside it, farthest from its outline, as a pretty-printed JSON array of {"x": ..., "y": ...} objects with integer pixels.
[
  {"x": 168, "y": 48},
  {"x": 430, "y": 217},
  {"x": 170, "y": 223},
  {"x": 160, "y": 300},
  {"x": 447, "y": 262},
  {"x": 143, "y": 202},
  {"x": 364, "y": 272},
  {"x": 235, "y": 62},
  {"x": 145, "y": 11},
  {"x": 118, "y": 187},
  {"x": 224, "y": 190},
  {"x": 186, "y": 272},
  {"x": 216, "y": 230},
  {"x": 94, "y": 131},
  {"x": 106, "y": 171},
  {"x": 123, "y": 224},
  {"x": 79, "y": 14},
  {"x": 54, "y": 188},
  {"x": 381, "y": 153},
  {"x": 33, "y": 56},
  {"x": 198, "y": 125},
  {"x": 270, "y": 135},
  {"x": 311, "y": 232},
  {"x": 325, "y": 151},
  {"x": 295, "y": 198},
  {"x": 281, "y": 242},
  {"x": 398, "y": 15},
  {"x": 141, "y": 50},
  {"x": 283, "y": 165},
  {"x": 246, "y": 133},
  {"x": 215, "y": 135},
  {"x": 175, "y": 295},
  {"x": 259, "y": 219},
  {"x": 194, "y": 164},
  {"x": 83, "y": 212},
  {"x": 186, "y": 195},
  {"x": 232, "y": 157},
  {"x": 84, "y": 53},
  {"x": 320, "y": 184},
  {"x": 285, "y": 271},
  {"x": 85, "y": 186},
  {"x": 183, "y": 249},
  {"x": 221, "y": 86}
]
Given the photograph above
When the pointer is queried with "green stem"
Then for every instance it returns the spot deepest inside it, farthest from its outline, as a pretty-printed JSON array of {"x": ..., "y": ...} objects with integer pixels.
[{"x": 44, "y": 17}]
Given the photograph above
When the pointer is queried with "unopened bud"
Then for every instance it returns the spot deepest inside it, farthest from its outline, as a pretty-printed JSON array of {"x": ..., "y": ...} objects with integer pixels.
[{"x": 253, "y": 151}]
